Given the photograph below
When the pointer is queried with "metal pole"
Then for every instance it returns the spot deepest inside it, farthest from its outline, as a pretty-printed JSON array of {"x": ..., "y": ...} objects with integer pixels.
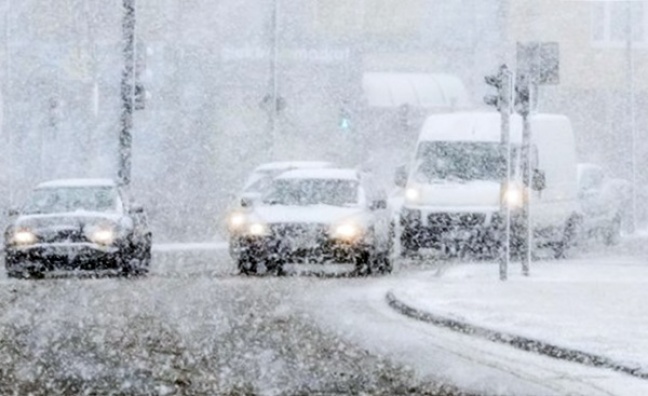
[
  {"x": 526, "y": 154},
  {"x": 633, "y": 123},
  {"x": 127, "y": 93},
  {"x": 505, "y": 113},
  {"x": 5, "y": 102},
  {"x": 274, "y": 58}
]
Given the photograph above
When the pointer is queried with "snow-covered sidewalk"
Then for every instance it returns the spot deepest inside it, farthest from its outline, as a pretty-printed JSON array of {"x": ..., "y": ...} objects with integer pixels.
[{"x": 597, "y": 306}]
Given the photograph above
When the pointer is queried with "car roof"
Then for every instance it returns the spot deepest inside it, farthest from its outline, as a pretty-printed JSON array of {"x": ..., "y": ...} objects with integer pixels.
[
  {"x": 321, "y": 173},
  {"x": 77, "y": 183},
  {"x": 286, "y": 165}
]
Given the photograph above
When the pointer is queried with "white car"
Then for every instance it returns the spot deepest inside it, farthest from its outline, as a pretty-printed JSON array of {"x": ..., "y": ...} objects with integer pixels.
[
  {"x": 256, "y": 184},
  {"x": 317, "y": 215}
]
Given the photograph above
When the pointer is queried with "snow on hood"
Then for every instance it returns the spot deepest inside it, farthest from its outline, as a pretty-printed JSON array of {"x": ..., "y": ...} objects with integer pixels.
[
  {"x": 319, "y": 214},
  {"x": 72, "y": 219}
]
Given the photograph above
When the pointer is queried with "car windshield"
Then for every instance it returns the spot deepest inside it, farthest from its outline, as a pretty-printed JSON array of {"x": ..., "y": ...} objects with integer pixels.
[
  {"x": 464, "y": 161},
  {"x": 71, "y": 199},
  {"x": 259, "y": 186},
  {"x": 302, "y": 192}
]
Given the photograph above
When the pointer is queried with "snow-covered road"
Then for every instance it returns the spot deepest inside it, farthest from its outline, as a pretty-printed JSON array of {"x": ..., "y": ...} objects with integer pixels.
[{"x": 193, "y": 324}]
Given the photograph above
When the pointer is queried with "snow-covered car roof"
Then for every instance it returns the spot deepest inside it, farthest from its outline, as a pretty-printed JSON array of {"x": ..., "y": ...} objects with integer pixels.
[
  {"x": 281, "y": 165},
  {"x": 77, "y": 183},
  {"x": 322, "y": 173}
]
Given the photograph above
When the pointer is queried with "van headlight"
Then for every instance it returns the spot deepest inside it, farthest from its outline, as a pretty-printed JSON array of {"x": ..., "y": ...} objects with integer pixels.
[
  {"x": 235, "y": 221},
  {"x": 412, "y": 194},
  {"x": 258, "y": 229},
  {"x": 513, "y": 196},
  {"x": 23, "y": 238},
  {"x": 347, "y": 231}
]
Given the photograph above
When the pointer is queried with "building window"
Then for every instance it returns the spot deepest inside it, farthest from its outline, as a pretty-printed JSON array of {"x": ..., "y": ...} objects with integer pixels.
[{"x": 613, "y": 22}]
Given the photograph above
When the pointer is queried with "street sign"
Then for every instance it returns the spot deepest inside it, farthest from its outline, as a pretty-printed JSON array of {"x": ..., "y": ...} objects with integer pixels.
[{"x": 540, "y": 61}]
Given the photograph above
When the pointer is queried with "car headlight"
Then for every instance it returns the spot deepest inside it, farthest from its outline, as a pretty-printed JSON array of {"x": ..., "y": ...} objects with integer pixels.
[
  {"x": 103, "y": 236},
  {"x": 257, "y": 229},
  {"x": 347, "y": 231},
  {"x": 513, "y": 196},
  {"x": 23, "y": 238},
  {"x": 236, "y": 221},
  {"x": 412, "y": 194}
]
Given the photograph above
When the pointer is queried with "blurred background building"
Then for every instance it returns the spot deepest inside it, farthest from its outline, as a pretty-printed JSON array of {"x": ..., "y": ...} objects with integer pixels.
[{"x": 206, "y": 70}]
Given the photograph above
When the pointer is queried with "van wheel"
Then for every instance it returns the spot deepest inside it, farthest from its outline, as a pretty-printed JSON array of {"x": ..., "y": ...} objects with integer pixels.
[{"x": 569, "y": 237}]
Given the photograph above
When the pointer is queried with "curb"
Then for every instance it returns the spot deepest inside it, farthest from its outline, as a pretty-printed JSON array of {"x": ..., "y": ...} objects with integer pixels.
[{"x": 516, "y": 341}]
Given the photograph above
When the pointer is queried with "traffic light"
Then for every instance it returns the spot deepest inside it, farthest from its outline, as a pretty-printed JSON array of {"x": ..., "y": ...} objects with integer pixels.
[
  {"x": 139, "y": 99},
  {"x": 500, "y": 82},
  {"x": 522, "y": 94},
  {"x": 345, "y": 119}
]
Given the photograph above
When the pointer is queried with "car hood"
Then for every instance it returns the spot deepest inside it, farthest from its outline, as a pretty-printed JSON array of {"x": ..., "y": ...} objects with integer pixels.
[
  {"x": 314, "y": 214},
  {"x": 76, "y": 220}
]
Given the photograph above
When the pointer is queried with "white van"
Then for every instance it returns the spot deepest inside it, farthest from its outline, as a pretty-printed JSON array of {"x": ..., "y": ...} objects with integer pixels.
[{"x": 453, "y": 186}]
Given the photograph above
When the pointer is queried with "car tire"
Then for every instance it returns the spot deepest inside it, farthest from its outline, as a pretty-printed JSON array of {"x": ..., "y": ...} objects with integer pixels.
[
  {"x": 382, "y": 263},
  {"x": 363, "y": 263},
  {"x": 407, "y": 248},
  {"x": 247, "y": 266},
  {"x": 132, "y": 266}
]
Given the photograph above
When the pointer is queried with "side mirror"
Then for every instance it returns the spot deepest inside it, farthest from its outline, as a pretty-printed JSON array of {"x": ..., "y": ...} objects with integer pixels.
[
  {"x": 400, "y": 176},
  {"x": 378, "y": 204},
  {"x": 13, "y": 212},
  {"x": 247, "y": 202},
  {"x": 539, "y": 181}
]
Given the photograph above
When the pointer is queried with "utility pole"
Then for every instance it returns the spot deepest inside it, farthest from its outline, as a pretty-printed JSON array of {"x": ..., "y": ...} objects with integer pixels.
[
  {"x": 632, "y": 109},
  {"x": 525, "y": 101},
  {"x": 127, "y": 93},
  {"x": 7, "y": 78},
  {"x": 503, "y": 82},
  {"x": 274, "y": 84}
]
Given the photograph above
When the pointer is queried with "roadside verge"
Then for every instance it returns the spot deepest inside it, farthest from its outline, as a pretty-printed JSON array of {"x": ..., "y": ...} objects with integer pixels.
[{"x": 516, "y": 341}]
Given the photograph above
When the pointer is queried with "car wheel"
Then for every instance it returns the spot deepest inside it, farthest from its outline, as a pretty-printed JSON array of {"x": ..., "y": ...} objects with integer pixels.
[
  {"x": 131, "y": 265},
  {"x": 247, "y": 266},
  {"x": 408, "y": 248},
  {"x": 383, "y": 263},
  {"x": 363, "y": 264}
]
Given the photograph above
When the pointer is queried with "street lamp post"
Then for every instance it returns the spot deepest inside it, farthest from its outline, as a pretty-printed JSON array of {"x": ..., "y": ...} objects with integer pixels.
[
  {"x": 632, "y": 105},
  {"x": 127, "y": 93},
  {"x": 6, "y": 86},
  {"x": 274, "y": 83}
]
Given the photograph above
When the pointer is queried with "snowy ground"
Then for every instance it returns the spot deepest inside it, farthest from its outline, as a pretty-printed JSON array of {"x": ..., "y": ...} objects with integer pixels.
[
  {"x": 194, "y": 327},
  {"x": 592, "y": 305},
  {"x": 190, "y": 328}
]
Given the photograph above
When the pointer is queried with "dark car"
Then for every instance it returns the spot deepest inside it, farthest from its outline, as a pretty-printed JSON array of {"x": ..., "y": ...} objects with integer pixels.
[
  {"x": 317, "y": 216},
  {"x": 81, "y": 224}
]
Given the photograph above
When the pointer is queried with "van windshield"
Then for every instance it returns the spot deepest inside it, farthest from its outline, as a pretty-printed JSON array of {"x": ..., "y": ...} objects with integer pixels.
[{"x": 465, "y": 161}]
